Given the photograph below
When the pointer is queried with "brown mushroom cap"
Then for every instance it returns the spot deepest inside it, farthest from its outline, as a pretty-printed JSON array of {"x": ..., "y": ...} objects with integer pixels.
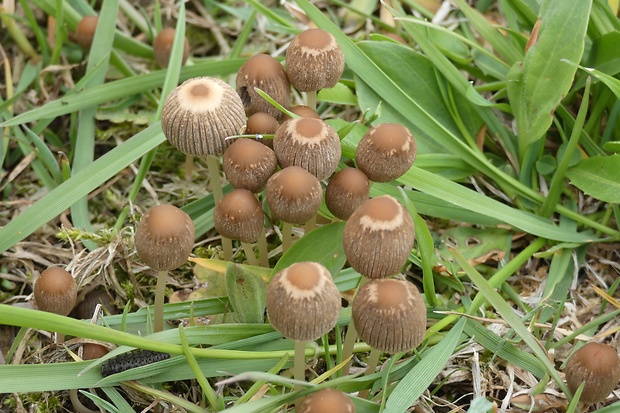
[
  {"x": 200, "y": 114},
  {"x": 249, "y": 164},
  {"x": 346, "y": 190},
  {"x": 599, "y": 366},
  {"x": 303, "y": 302},
  {"x": 386, "y": 152},
  {"x": 266, "y": 73},
  {"x": 378, "y": 237},
  {"x": 165, "y": 237},
  {"x": 85, "y": 31},
  {"x": 92, "y": 351},
  {"x": 239, "y": 215},
  {"x": 327, "y": 401},
  {"x": 389, "y": 315},
  {"x": 314, "y": 61},
  {"x": 309, "y": 143},
  {"x": 294, "y": 195},
  {"x": 162, "y": 47},
  {"x": 262, "y": 123},
  {"x": 55, "y": 291},
  {"x": 304, "y": 112}
]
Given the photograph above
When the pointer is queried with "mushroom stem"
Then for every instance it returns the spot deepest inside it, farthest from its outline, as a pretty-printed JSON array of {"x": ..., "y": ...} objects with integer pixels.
[
  {"x": 347, "y": 347},
  {"x": 213, "y": 165},
  {"x": 249, "y": 253},
  {"x": 373, "y": 361},
  {"x": 160, "y": 289},
  {"x": 263, "y": 249},
  {"x": 287, "y": 236},
  {"x": 189, "y": 167},
  {"x": 311, "y": 99},
  {"x": 299, "y": 363},
  {"x": 77, "y": 404},
  {"x": 310, "y": 225}
]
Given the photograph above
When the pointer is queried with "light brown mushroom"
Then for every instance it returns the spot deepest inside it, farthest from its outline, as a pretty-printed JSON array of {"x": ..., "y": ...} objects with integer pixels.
[
  {"x": 294, "y": 195},
  {"x": 164, "y": 240},
  {"x": 327, "y": 401},
  {"x": 261, "y": 124},
  {"x": 55, "y": 291},
  {"x": 347, "y": 189},
  {"x": 248, "y": 164},
  {"x": 378, "y": 237},
  {"x": 598, "y": 366},
  {"x": 309, "y": 143},
  {"x": 162, "y": 47},
  {"x": 266, "y": 73},
  {"x": 200, "y": 114},
  {"x": 85, "y": 31},
  {"x": 386, "y": 152}
]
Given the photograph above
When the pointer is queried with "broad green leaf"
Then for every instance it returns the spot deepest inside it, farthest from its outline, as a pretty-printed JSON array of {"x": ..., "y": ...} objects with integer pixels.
[
  {"x": 247, "y": 293},
  {"x": 604, "y": 54},
  {"x": 598, "y": 177},
  {"x": 322, "y": 245},
  {"x": 337, "y": 94},
  {"x": 544, "y": 77}
]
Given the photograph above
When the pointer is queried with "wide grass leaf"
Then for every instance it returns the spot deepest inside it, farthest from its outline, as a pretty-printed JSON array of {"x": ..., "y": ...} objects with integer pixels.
[{"x": 598, "y": 177}]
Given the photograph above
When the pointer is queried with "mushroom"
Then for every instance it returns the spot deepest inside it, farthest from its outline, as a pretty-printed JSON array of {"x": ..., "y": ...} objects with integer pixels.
[
  {"x": 303, "y": 303},
  {"x": 262, "y": 123},
  {"x": 598, "y": 366},
  {"x": 305, "y": 111},
  {"x": 346, "y": 190},
  {"x": 162, "y": 47},
  {"x": 266, "y": 73},
  {"x": 164, "y": 240},
  {"x": 248, "y": 164},
  {"x": 197, "y": 118},
  {"x": 310, "y": 143},
  {"x": 327, "y": 401},
  {"x": 239, "y": 216},
  {"x": 390, "y": 316},
  {"x": 386, "y": 152},
  {"x": 55, "y": 291},
  {"x": 85, "y": 31},
  {"x": 378, "y": 237},
  {"x": 294, "y": 196},
  {"x": 314, "y": 61}
]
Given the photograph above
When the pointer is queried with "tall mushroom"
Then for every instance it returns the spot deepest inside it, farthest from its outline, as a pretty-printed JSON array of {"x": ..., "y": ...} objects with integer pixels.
[
  {"x": 303, "y": 303},
  {"x": 314, "y": 61},
  {"x": 197, "y": 117},
  {"x": 164, "y": 240},
  {"x": 266, "y": 73},
  {"x": 294, "y": 196}
]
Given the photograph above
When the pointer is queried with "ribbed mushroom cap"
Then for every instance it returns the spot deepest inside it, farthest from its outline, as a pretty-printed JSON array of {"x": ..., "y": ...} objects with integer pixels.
[
  {"x": 249, "y": 164},
  {"x": 239, "y": 216},
  {"x": 389, "y": 315},
  {"x": 303, "y": 302},
  {"x": 314, "y": 61},
  {"x": 162, "y": 47},
  {"x": 309, "y": 143},
  {"x": 327, "y": 401},
  {"x": 378, "y": 237},
  {"x": 266, "y": 73},
  {"x": 85, "y": 31},
  {"x": 200, "y": 114},
  {"x": 55, "y": 291},
  {"x": 346, "y": 190},
  {"x": 165, "y": 237},
  {"x": 599, "y": 366},
  {"x": 386, "y": 152},
  {"x": 294, "y": 195}
]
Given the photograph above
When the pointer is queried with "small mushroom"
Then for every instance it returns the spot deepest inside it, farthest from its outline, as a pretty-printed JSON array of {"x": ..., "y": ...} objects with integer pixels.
[
  {"x": 303, "y": 303},
  {"x": 378, "y": 237},
  {"x": 346, "y": 190},
  {"x": 200, "y": 114},
  {"x": 305, "y": 111},
  {"x": 262, "y": 123},
  {"x": 164, "y": 240},
  {"x": 327, "y": 401},
  {"x": 314, "y": 61},
  {"x": 386, "y": 152},
  {"x": 389, "y": 315},
  {"x": 598, "y": 366},
  {"x": 310, "y": 143},
  {"x": 85, "y": 31},
  {"x": 266, "y": 73},
  {"x": 55, "y": 291},
  {"x": 248, "y": 164},
  {"x": 162, "y": 47}
]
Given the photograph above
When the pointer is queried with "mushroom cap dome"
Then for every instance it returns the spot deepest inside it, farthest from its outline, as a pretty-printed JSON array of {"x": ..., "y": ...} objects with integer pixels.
[
  {"x": 162, "y": 47},
  {"x": 55, "y": 291},
  {"x": 599, "y": 366},
  {"x": 239, "y": 216},
  {"x": 294, "y": 195},
  {"x": 249, "y": 164},
  {"x": 327, "y": 401}
]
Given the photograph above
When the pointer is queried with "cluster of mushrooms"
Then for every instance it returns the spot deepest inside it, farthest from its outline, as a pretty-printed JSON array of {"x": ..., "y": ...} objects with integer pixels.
[{"x": 303, "y": 303}]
